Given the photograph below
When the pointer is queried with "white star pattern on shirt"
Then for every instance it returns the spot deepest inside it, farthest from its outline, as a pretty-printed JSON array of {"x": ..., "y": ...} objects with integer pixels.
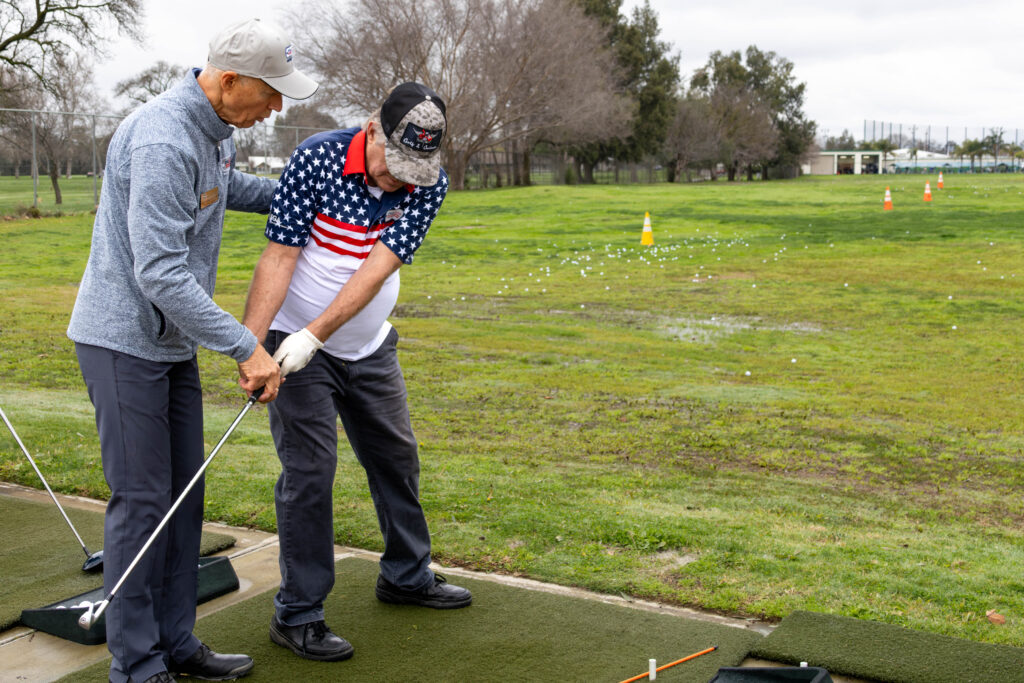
[{"x": 310, "y": 185}]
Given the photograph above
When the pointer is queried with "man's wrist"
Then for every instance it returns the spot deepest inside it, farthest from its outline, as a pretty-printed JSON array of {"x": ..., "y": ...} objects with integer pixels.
[{"x": 317, "y": 331}]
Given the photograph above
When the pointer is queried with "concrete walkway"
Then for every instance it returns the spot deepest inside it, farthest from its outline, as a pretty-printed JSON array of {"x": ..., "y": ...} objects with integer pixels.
[{"x": 29, "y": 655}]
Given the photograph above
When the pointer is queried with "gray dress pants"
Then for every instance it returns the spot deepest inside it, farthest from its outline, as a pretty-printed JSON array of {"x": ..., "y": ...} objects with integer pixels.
[
  {"x": 150, "y": 421},
  {"x": 370, "y": 397}
]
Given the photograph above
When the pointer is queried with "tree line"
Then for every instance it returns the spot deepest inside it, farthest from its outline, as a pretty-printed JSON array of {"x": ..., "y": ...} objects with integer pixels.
[{"x": 577, "y": 78}]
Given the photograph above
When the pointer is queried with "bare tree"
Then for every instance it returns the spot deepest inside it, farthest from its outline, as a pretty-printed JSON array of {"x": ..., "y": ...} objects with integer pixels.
[
  {"x": 507, "y": 69},
  {"x": 693, "y": 138},
  {"x": 60, "y": 135},
  {"x": 746, "y": 130},
  {"x": 36, "y": 33},
  {"x": 297, "y": 123},
  {"x": 149, "y": 83}
]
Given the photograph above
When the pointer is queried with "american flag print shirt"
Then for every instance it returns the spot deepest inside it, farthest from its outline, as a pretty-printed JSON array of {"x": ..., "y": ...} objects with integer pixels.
[
  {"x": 324, "y": 206},
  {"x": 323, "y": 194}
]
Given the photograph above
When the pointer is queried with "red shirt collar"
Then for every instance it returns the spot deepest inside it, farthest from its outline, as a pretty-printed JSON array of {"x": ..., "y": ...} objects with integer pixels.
[{"x": 355, "y": 158}]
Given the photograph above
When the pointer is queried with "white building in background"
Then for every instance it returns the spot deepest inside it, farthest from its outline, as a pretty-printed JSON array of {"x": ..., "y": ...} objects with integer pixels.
[
  {"x": 264, "y": 164},
  {"x": 906, "y": 160}
]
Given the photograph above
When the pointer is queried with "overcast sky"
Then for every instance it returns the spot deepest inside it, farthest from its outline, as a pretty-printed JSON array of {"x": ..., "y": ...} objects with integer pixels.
[{"x": 939, "y": 63}]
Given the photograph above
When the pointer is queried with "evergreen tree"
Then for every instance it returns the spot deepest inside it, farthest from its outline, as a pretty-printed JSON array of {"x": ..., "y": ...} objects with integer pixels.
[
  {"x": 770, "y": 78},
  {"x": 648, "y": 73}
]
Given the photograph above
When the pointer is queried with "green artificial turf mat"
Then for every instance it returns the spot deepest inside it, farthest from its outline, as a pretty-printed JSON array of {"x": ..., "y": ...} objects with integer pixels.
[
  {"x": 508, "y": 634},
  {"x": 888, "y": 653},
  {"x": 41, "y": 562}
]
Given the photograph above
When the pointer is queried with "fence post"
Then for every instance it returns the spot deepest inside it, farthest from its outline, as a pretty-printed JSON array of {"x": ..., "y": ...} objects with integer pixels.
[
  {"x": 95, "y": 194},
  {"x": 266, "y": 146},
  {"x": 35, "y": 167}
]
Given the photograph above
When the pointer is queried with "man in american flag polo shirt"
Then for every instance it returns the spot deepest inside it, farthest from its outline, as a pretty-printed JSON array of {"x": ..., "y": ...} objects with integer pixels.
[{"x": 351, "y": 208}]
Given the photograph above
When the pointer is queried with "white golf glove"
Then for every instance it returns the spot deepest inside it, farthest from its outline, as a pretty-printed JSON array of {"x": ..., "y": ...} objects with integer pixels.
[{"x": 296, "y": 351}]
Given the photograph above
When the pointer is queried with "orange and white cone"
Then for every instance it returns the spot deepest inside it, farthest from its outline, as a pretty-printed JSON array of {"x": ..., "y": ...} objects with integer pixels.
[
  {"x": 647, "y": 238},
  {"x": 927, "y": 191},
  {"x": 940, "y": 180},
  {"x": 888, "y": 200}
]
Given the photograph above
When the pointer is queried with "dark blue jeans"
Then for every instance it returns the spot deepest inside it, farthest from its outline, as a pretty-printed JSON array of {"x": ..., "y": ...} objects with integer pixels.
[
  {"x": 150, "y": 421},
  {"x": 370, "y": 397}
]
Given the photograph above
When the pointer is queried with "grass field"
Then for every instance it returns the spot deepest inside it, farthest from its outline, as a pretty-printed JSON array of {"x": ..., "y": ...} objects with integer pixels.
[
  {"x": 76, "y": 195},
  {"x": 794, "y": 400}
]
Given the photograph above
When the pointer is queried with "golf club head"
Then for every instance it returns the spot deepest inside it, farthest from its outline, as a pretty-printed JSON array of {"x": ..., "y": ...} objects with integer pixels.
[
  {"x": 93, "y": 563},
  {"x": 85, "y": 621},
  {"x": 92, "y": 613}
]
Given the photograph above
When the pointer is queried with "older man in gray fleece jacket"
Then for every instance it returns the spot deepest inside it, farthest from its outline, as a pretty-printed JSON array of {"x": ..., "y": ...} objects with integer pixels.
[{"x": 144, "y": 307}]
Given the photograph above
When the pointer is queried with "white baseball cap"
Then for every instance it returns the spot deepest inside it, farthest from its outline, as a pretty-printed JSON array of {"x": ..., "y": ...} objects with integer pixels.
[{"x": 261, "y": 50}]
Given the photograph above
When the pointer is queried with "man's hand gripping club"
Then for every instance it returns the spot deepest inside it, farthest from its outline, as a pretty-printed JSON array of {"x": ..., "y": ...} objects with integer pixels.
[
  {"x": 297, "y": 350},
  {"x": 260, "y": 370}
]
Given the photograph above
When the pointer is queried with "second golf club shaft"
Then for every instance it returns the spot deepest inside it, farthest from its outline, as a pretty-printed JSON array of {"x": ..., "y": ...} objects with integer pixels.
[{"x": 43, "y": 479}]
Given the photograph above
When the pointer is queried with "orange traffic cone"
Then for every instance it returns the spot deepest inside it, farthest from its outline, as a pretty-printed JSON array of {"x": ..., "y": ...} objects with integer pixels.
[
  {"x": 927, "y": 191},
  {"x": 940, "y": 180},
  {"x": 647, "y": 238},
  {"x": 888, "y": 200}
]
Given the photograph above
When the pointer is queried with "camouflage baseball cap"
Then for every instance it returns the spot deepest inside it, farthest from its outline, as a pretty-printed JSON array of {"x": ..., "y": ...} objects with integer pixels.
[{"x": 414, "y": 123}]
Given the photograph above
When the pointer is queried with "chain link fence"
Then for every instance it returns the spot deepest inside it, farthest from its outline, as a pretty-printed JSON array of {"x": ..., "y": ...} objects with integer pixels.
[
  {"x": 938, "y": 139},
  {"x": 59, "y": 145}
]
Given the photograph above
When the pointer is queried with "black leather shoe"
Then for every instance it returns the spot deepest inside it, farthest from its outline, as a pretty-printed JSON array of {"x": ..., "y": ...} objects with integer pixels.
[
  {"x": 312, "y": 641},
  {"x": 440, "y": 594},
  {"x": 207, "y": 665},
  {"x": 162, "y": 677}
]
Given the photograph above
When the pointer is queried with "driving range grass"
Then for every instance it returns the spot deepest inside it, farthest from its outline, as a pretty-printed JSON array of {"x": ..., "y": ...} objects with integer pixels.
[
  {"x": 16, "y": 195},
  {"x": 585, "y": 410}
]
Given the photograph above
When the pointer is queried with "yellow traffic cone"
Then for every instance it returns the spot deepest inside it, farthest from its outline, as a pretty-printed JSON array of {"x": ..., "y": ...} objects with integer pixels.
[
  {"x": 647, "y": 238},
  {"x": 927, "y": 191},
  {"x": 888, "y": 200},
  {"x": 940, "y": 180}
]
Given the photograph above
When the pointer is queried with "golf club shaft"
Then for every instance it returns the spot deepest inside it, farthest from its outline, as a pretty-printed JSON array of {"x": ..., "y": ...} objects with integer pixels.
[
  {"x": 152, "y": 537},
  {"x": 43, "y": 479}
]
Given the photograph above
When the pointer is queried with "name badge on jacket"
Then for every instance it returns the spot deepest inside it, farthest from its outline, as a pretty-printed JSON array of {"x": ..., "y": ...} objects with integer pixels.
[{"x": 209, "y": 197}]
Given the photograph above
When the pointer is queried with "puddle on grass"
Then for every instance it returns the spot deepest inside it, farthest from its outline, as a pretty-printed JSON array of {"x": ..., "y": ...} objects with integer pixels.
[
  {"x": 673, "y": 559},
  {"x": 706, "y": 330}
]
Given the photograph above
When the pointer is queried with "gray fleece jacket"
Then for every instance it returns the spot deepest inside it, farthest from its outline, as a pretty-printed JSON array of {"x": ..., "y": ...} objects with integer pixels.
[{"x": 147, "y": 288}]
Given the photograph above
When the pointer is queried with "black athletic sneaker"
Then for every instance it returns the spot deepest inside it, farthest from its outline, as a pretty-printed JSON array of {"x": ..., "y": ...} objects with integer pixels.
[
  {"x": 312, "y": 641},
  {"x": 162, "y": 677},
  {"x": 440, "y": 594}
]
